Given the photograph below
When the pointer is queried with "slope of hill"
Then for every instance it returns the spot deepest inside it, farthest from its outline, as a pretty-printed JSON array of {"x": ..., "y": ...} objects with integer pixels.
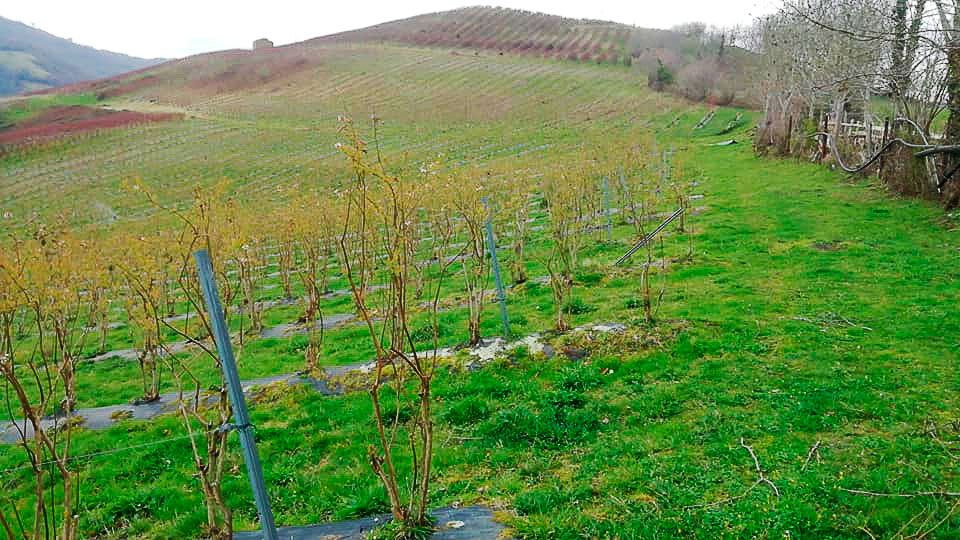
[
  {"x": 504, "y": 30},
  {"x": 475, "y": 31},
  {"x": 415, "y": 71},
  {"x": 523, "y": 32},
  {"x": 265, "y": 126},
  {"x": 32, "y": 59}
]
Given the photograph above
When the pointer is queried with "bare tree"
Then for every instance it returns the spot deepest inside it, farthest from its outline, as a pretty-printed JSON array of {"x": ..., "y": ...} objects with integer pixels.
[
  {"x": 827, "y": 58},
  {"x": 315, "y": 225},
  {"x": 515, "y": 201},
  {"x": 145, "y": 271},
  {"x": 564, "y": 191}
]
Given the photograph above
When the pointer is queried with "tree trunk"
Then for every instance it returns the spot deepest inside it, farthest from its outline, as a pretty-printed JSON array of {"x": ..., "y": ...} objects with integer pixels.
[
  {"x": 786, "y": 136},
  {"x": 951, "y": 135},
  {"x": 898, "y": 69}
]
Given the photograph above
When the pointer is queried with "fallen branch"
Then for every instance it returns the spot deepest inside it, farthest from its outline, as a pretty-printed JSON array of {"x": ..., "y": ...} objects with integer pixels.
[
  {"x": 919, "y": 535},
  {"x": 851, "y": 324},
  {"x": 830, "y": 319},
  {"x": 761, "y": 479},
  {"x": 814, "y": 450},
  {"x": 934, "y": 433},
  {"x": 705, "y": 120},
  {"x": 903, "y": 495}
]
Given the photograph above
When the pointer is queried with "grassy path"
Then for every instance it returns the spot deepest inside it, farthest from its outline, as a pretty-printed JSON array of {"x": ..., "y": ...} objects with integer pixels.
[{"x": 827, "y": 312}]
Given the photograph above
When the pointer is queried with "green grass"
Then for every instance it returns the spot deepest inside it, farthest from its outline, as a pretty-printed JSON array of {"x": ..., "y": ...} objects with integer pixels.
[
  {"x": 883, "y": 107},
  {"x": 24, "y": 109}
]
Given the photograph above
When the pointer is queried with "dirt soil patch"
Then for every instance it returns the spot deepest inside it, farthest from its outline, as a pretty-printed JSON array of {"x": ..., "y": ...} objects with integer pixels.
[
  {"x": 63, "y": 121},
  {"x": 832, "y": 245}
]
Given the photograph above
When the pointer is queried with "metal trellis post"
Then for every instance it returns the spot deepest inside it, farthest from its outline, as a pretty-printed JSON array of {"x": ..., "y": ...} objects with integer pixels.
[
  {"x": 643, "y": 241},
  {"x": 495, "y": 263},
  {"x": 221, "y": 336},
  {"x": 606, "y": 208}
]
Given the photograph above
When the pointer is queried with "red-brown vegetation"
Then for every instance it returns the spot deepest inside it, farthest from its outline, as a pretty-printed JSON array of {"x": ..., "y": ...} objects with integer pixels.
[
  {"x": 63, "y": 121},
  {"x": 501, "y": 30}
]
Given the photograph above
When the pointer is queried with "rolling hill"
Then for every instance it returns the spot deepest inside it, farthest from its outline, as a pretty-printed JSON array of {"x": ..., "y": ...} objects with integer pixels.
[
  {"x": 267, "y": 118},
  {"x": 474, "y": 31},
  {"x": 511, "y": 31},
  {"x": 278, "y": 128},
  {"x": 31, "y": 59},
  {"x": 505, "y": 31},
  {"x": 449, "y": 75}
]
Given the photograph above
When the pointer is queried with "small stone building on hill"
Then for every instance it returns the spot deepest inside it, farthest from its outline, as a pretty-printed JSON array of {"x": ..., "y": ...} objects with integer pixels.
[{"x": 262, "y": 43}]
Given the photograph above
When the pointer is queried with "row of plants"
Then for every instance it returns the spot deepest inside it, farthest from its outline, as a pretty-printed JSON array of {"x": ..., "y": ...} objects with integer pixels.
[{"x": 409, "y": 242}]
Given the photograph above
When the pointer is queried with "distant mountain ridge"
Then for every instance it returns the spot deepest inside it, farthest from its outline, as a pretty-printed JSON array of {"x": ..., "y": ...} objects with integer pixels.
[{"x": 31, "y": 60}]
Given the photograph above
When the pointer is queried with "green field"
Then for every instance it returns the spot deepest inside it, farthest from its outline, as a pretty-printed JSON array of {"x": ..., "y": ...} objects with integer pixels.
[{"x": 806, "y": 316}]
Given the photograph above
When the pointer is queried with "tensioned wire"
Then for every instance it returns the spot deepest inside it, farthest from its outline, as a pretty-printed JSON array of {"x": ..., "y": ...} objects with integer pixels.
[{"x": 92, "y": 455}]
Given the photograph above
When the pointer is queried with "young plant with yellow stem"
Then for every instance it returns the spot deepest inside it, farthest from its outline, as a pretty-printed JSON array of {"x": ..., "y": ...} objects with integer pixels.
[{"x": 381, "y": 222}]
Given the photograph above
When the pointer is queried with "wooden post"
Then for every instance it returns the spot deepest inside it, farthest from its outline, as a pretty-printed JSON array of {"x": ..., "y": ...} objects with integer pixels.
[
  {"x": 786, "y": 142},
  {"x": 886, "y": 134},
  {"x": 823, "y": 136}
]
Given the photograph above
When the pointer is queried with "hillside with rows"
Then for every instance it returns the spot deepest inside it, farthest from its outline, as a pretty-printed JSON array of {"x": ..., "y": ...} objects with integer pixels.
[
  {"x": 281, "y": 104},
  {"x": 510, "y": 31},
  {"x": 264, "y": 136},
  {"x": 521, "y": 292}
]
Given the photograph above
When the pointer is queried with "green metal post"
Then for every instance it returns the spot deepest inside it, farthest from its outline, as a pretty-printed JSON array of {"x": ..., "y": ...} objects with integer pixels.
[
  {"x": 221, "y": 335},
  {"x": 606, "y": 208},
  {"x": 495, "y": 263}
]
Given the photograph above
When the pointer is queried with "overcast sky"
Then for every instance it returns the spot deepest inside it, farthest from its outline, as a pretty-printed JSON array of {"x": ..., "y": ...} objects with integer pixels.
[{"x": 175, "y": 28}]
